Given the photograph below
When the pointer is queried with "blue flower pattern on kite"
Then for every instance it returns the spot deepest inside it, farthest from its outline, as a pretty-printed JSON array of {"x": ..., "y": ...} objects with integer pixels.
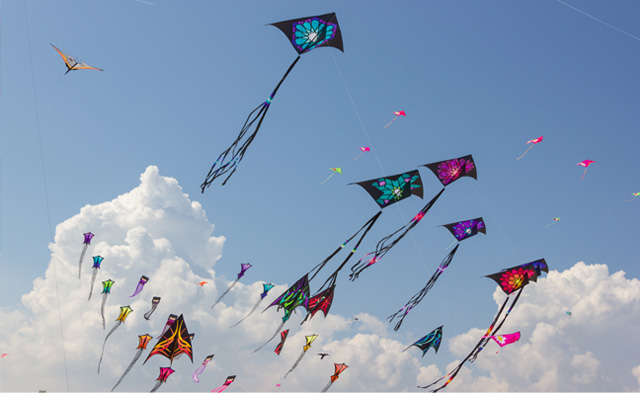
[
  {"x": 308, "y": 34},
  {"x": 392, "y": 189}
]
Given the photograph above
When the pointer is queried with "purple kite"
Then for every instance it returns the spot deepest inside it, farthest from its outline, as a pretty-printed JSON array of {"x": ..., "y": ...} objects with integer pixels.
[
  {"x": 243, "y": 269},
  {"x": 201, "y": 368},
  {"x": 266, "y": 287},
  {"x": 87, "y": 242},
  {"x": 143, "y": 280}
]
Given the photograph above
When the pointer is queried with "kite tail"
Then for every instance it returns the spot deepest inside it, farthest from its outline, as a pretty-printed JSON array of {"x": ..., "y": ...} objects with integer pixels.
[
  {"x": 326, "y": 387},
  {"x": 358, "y": 156},
  {"x": 153, "y": 390},
  {"x": 327, "y": 179},
  {"x": 105, "y": 342},
  {"x": 389, "y": 124},
  {"x": 225, "y": 293},
  {"x": 93, "y": 280},
  {"x": 84, "y": 249},
  {"x": 236, "y": 150},
  {"x": 148, "y": 314},
  {"x": 382, "y": 247},
  {"x": 273, "y": 336},
  {"x": 525, "y": 152},
  {"x": 104, "y": 300},
  {"x": 583, "y": 174},
  {"x": 126, "y": 371},
  {"x": 252, "y": 310},
  {"x": 295, "y": 364}
]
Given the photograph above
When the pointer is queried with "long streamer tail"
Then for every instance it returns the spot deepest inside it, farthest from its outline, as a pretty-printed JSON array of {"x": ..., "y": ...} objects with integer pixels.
[
  {"x": 583, "y": 174},
  {"x": 105, "y": 342},
  {"x": 252, "y": 310},
  {"x": 153, "y": 390},
  {"x": 126, "y": 371},
  {"x": 104, "y": 300},
  {"x": 357, "y": 156},
  {"x": 525, "y": 152},
  {"x": 238, "y": 148},
  {"x": 84, "y": 249},
  {"x": 225, "y": 293},
  {"x": 273, "y": 336},
  {"x": 93, "y": 280},
  {"x": 326, "y": 387},
  {"x": 389, "y": 124},
  {"x": 295, "y": 364}
]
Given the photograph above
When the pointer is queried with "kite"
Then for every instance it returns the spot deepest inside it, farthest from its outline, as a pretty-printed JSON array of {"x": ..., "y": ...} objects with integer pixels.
[
  {"x": 585, "y": 164},
  {"x": 532, "y": 142},
  {"x": 170, "y": 321},
  {"x": 201, "y": 368},
  {"x": 143, "y": 280},
  {"x": 554, "y": 220},
  {"x": 243, "y": 269},
  {"x": 335, "y": 170},
  {"x": 124, "y": 312},
  {"x": 226, "y": 384},
  {"x": 568, "y": 313},
  {"x": 204, "y": 282},
  {"x": 634, "y": 196},
  {"x": 323, "y": 355},
  {"x": 449, "y": 171},
  {"x": 97, "y": 260},
  {"x": 510, "y": 280},
  {"x": 397, "y": 114},
  {"x": 283, "y": 336},
  {"x": 3, "y": 355},
  {"x": 305, "y": 34},
  {"x": 154, "y": 304},
  {"x": 86, "y": 242},
  {"x": 431, "y": 340},
  {"x": 334, "y": 377},
  {"x": 165, "y": 372},
  {"x": 173, "y": 342},
  {"x": 309, "y": 339},
  {"x": 266, "y": 287},
  {"x": 106, "y": 290},
  {"x": 72, "y": 63},
  {"x": 504, "y": 340},
  {"x": 142, "y": 346},
  {"x": 363, "y": 149}
]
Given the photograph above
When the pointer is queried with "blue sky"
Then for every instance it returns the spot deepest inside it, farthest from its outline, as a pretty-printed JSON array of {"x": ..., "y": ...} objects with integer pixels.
[{"x": 478, "y": 78}]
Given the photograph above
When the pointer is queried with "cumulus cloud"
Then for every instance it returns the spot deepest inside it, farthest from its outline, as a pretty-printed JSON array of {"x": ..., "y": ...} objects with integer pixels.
[{"x": 157, "y": 231}]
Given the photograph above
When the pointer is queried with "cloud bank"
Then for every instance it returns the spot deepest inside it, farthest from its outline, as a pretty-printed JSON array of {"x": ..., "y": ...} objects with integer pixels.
[{"x": 157, "y": 231}]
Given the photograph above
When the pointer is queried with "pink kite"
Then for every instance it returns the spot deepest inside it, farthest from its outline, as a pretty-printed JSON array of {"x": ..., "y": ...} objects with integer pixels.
[
  {"x": 396, "y": 113},
  {"x": 504, "y": 340},
  {"x": 533, "y": 142},
  {"x": 585, "y": 164},
  {"x": 363, "y": 149}
]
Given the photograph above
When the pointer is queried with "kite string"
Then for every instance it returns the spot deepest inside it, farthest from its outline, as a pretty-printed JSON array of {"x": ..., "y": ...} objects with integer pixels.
[
  {"x": 46, "y": 194},
  {"x": 599, "y": 20},
  {"x": 364, "y": 129}
]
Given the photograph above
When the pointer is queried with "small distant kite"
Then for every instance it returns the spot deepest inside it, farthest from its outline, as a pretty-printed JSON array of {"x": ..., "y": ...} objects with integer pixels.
[
  {"x": 634, "y": 196},
  {"x": 397, "y": 114},
  {"x": 339, "y": 368},
  {"x": 585, "y": 164},
  {"x": 204, "y": 282},
  {"x": 87, "y": 242},
  {"x": 154, "y": 304},
  {"x": 243, "y": 269},
  {"x": 309, "y": 339},
  {"x": 74, "y": 64},
  {"x": 532, "y": 142},
  {"x": 4, "y": 355},
  {"x": 201, "y": 368},
  {"x": 97, "y": 260},
  {"x": 568, "y": 313},
  {"x": 106, "y": 290},
  {"x": 363, "y": 149},
  {"x": 142, "y": 346},
  {"x": 432, "y": 339},
  {"x": 226, "y": 384},
  {"x": 143, "y": 281},
  {"x": 124, "y": 312},
  {"x": 283, "y": 337},
  {"x": 165, "y": 372},
  {"x": 335, "y": 170},
  {"x": 554, "y": 220},
  {"x": 323, "y": 355}
]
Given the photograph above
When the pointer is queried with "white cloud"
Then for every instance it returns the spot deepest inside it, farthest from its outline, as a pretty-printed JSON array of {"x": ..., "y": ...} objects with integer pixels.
[{"x": 155, "y": 230}]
